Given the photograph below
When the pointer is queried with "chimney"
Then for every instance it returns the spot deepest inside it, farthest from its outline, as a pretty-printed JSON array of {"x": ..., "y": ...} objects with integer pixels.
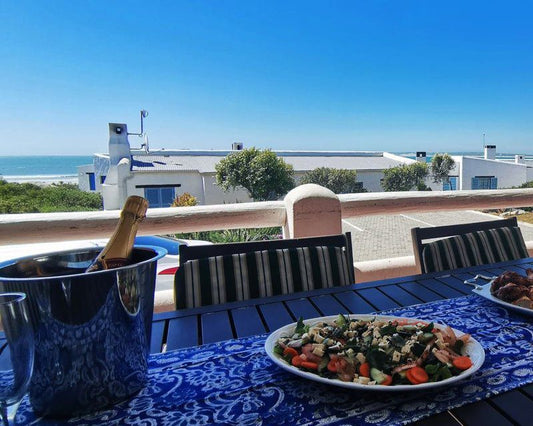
[
  {"x": 519, "y": 159},
  {"x": 490, "y": 152},
  {"x": 421, "y": 156},
  {"x": 119, "y": 146},
  {"x": 237, "y": 146}
]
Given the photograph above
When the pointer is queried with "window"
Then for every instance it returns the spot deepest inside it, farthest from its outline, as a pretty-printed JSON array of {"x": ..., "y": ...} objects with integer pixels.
[
  {"x": 159, "y": 197},
  {"x": 92, "y": 182},
  {"x": 484, "y": 182},
  {"x": 451, "y": 185},
  {"x": 102, "y": 178}
]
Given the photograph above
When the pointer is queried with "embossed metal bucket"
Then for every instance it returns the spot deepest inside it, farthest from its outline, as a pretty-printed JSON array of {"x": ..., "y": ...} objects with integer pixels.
[{"x": 92, "y": 330}]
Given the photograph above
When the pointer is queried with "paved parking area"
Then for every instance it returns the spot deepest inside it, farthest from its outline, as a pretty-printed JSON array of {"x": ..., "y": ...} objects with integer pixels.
[{"x": 381, "y": 237}]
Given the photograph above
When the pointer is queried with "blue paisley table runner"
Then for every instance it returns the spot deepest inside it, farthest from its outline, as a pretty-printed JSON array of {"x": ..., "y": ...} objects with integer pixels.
[{"x": 234, "y": 382}]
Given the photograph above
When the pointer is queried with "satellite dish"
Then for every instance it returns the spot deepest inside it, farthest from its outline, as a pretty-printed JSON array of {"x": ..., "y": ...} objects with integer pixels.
[{"x": 144, "y": 113}]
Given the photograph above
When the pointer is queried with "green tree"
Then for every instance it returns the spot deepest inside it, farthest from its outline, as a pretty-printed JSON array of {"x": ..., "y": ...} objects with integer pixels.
[
  {"x": 405, "y": 177},
  {"x": 261, "y": 173},
  {"x": 441, "y": 166},
  {"x": 340, "y": 181}
]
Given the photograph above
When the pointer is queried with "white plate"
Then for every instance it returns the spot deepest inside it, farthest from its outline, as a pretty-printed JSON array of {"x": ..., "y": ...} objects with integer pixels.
[
  {"x": 472, "y": 348},
  {"x": 484, "y": 291}
]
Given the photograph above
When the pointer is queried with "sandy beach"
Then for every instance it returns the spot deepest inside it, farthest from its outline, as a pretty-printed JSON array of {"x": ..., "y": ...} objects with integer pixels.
[{"x": 41, "y": 180}]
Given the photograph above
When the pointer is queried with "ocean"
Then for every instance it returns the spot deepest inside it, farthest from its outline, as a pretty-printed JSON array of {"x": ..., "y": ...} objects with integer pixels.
[
  {"x": 55, "y": 168},
  {"x": 42, "y": 168}
]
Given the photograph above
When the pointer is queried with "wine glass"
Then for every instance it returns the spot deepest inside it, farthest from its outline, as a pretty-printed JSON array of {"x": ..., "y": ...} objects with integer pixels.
[{"x": 16, "y": 353}]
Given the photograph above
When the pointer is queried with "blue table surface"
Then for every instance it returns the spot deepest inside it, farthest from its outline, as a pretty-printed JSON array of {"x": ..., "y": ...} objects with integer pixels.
[{"x": 193, "y": 327}]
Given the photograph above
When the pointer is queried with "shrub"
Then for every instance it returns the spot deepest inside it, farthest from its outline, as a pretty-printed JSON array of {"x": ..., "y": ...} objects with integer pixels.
[
  {"x": 185, "y": 200},
  {"x": 60, "y": 197}
]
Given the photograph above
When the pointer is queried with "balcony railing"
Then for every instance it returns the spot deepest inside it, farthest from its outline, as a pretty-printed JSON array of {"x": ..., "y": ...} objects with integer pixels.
[
  {"x": 306, "y": 211},
  {"x": 32, "y": 227}
]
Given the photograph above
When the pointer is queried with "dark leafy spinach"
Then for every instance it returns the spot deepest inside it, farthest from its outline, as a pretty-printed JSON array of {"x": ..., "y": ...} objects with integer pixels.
[
  {"x": 301, "y": 328},
  {"x": 397, "y": 340},
  {"x": 458, "y": 347},
  {"x": 388, "y": 329},
  {"x": 428, "y": 328},
  {"x": 417, "y": 349},
  {"x": 376, "y": 358}
]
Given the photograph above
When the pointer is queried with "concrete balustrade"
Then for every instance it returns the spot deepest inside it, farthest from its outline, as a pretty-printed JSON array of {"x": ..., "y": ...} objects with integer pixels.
[
  {"x": 377, "y": 203},
  {"x": 308, "y": 210},
  {"x": 31, "y": 227}
]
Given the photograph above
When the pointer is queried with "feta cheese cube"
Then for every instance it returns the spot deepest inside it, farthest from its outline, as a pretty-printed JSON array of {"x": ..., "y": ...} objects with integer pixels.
[
  {"x": 383, "y": 345},
  {"x": 318, "y": 349},
  {"x": 363, "y": 380}
]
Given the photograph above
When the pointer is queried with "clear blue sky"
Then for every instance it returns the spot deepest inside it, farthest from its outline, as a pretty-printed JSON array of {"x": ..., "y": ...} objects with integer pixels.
[{"x": 336, "y": 75}]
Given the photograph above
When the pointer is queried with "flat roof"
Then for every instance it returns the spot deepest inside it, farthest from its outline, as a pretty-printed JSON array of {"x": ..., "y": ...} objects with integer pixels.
[{"x": 205, "y": 161}]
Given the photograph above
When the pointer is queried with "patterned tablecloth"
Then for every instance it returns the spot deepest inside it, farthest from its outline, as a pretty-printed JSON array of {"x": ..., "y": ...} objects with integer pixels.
[{"x": 234, "y": 382}]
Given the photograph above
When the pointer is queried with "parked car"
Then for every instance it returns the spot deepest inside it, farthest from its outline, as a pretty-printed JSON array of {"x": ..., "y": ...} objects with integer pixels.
[{"x": 166, "y": 267}]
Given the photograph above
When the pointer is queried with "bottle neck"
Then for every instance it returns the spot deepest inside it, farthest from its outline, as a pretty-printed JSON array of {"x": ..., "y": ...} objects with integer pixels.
[{"x": 120, "y": 245}]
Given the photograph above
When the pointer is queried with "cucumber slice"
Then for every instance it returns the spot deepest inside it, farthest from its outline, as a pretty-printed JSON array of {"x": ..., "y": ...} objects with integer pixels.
[{"x": 377, "y": 375}]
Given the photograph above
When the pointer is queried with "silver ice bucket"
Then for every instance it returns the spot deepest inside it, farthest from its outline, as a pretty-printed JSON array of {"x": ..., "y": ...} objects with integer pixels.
[{"x": 92, "y": 331}]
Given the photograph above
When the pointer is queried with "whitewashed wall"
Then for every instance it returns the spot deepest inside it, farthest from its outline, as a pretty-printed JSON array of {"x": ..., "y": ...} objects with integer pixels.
[
  {"x": 371, "y": 180},
  {"x": 215, "y": 195},
  {"x": 509, "y": 174},
  {"x": 83, "y": 177},
  {"x": 529, "y": 174},
  {"x": 189, "y": 181}
]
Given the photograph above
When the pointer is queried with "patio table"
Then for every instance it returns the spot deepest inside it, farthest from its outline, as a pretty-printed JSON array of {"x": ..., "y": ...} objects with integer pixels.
[{"x": 208, "y": 364}]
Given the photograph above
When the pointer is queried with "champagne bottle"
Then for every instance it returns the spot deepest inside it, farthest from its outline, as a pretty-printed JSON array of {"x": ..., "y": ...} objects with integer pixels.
[{"x": 119, "y": 247}]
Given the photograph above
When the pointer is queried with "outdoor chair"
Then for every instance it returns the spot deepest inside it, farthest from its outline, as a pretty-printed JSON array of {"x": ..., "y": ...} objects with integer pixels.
[
  {"x": 471, "y": 244},
  {"x": 220, "y": 273}
]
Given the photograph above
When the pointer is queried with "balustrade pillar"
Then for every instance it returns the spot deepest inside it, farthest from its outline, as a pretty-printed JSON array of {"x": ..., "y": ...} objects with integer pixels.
[{"x": 312, "y": 211}]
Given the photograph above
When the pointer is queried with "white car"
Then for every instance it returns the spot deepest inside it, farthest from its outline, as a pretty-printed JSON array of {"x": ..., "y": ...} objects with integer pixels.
[{"x": 166, "y": 267}]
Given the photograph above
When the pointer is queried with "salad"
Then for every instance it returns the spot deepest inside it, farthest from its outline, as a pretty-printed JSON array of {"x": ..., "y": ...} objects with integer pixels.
[{"x": 375, "y": 351}]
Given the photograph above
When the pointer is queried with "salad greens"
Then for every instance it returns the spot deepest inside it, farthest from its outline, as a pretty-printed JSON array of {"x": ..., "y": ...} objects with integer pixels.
[{"x": 375, "y": 351}]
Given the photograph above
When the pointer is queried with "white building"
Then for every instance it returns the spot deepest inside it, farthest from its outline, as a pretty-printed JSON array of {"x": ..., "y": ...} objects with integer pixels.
[
  {"x": 160, "y": 175},
  {"x": 488, "y": 172}
]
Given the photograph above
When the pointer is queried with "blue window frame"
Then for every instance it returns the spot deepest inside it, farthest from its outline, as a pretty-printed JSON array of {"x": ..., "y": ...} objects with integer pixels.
[
  {"x": 451, "y": 185},
  {"x": 102, "y": 178},
  {"x": 160, "y": 197},
  {"x": 92, "y": 182},
  {"x": 484, "y": 182}
]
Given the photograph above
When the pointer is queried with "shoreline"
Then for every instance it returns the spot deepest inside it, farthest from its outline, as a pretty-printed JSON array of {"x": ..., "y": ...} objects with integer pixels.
[{"x": 42, "y": 180}]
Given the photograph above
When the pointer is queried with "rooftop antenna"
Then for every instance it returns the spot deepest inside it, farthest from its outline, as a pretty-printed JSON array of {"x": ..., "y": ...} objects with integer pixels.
[{"x": 142, "y": 133}]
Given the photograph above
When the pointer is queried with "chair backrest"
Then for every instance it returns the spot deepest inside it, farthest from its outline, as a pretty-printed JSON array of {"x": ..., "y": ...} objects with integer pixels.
[
  {"x": 222, "y": 273},
  {"x": 470, "y": 244}
]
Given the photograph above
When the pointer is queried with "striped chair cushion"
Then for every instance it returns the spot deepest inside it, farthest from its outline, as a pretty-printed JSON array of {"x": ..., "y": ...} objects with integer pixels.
[
  {"x": 229, "y": 278},
  {"x": 475, "y": 248}
]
